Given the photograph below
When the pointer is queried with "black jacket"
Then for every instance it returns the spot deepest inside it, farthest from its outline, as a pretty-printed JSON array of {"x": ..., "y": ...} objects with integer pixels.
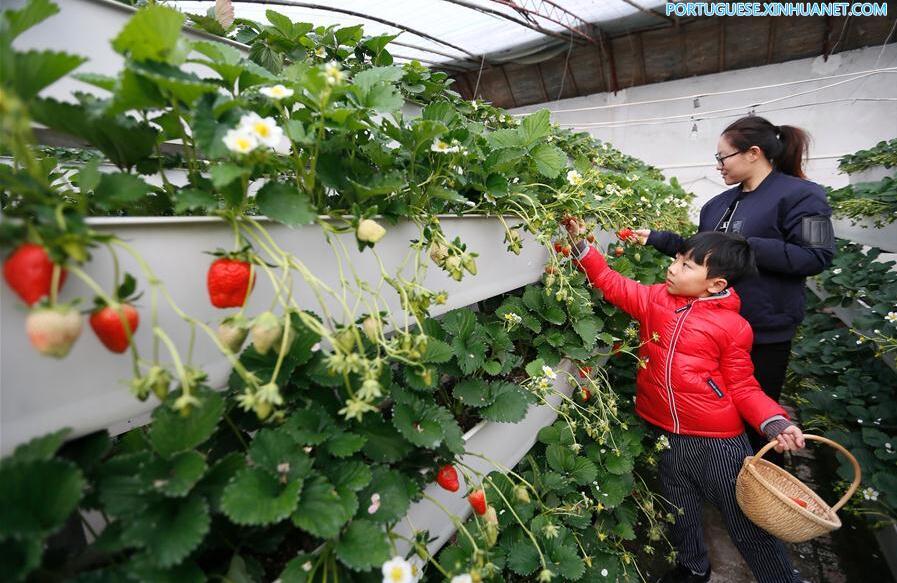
[{"x": 787, "y": 221}]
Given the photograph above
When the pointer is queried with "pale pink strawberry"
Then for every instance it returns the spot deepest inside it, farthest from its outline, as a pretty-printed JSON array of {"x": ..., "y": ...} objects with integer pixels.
[{"x": 53, "y": 331}]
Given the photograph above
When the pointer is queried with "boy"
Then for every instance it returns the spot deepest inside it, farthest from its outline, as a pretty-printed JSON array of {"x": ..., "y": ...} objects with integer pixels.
[{"x": 696, "y": 388}]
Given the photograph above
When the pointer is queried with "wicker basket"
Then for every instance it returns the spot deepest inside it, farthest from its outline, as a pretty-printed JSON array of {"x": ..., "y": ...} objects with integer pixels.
[{"x": 767, "y": 493}]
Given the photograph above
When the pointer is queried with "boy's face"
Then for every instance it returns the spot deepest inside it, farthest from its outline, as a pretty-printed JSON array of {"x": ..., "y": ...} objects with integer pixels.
[{"x": 687, "y": 278}]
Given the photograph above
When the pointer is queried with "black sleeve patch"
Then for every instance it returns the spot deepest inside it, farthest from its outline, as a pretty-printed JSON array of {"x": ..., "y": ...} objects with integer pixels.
[{"x": 817, "y": 231}]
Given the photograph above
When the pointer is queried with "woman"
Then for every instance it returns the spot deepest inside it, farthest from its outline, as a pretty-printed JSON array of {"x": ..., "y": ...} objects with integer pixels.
[{"x": 787, "y": 221}]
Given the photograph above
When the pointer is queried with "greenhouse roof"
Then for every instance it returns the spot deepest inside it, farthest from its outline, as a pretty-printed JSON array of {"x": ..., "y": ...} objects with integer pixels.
[{"x": 457, "y": 31}]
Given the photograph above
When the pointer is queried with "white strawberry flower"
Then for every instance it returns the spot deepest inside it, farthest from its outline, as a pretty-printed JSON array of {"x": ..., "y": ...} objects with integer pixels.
[
  {"x": 549, "y": 372},
  {"x": 397, "y": 570},
  {"x": 870, "y": 494},
  {"x": 837, "y": 270},
  {"x": 265, "y": 129},
  {"x": 320, "y": 52},
  {"x": 375, "y": 503},
  {"x": 443, "y": 147},
  {"x": 465, "y": 578},
  {"x": 574, "y": 178},
  {"x": 240, "y": 141},
  {"x": 333, "y": 73},
  {"x": 276, "y": 92},
  {"x": 891, "y": 317}
]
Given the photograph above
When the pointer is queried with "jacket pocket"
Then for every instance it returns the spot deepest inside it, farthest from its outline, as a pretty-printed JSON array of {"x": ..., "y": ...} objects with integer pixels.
[{"x": 712, "y": 384}]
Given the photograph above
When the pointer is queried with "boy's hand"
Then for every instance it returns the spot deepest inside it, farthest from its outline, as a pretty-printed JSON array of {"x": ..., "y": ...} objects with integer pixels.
[
  {"x": 640, "y": 236},
  {"x": 791, "y": 439}
]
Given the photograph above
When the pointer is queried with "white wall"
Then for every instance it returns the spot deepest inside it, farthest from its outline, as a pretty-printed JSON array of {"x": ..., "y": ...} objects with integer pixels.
[{"x": 836, "y": 128}]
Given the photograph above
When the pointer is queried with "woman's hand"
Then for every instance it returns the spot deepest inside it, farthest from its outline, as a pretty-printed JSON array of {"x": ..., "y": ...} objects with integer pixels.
[
  {"x": 640, "y": 236},
  {"x": 791, "y": 439}
]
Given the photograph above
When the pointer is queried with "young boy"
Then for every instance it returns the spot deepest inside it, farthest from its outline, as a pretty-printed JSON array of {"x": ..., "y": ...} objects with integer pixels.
[{"x": 696, "y": 388}]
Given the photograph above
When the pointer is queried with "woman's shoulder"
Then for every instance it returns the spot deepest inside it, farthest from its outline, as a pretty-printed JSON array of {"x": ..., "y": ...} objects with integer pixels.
[{"x": 796, "y": 186}]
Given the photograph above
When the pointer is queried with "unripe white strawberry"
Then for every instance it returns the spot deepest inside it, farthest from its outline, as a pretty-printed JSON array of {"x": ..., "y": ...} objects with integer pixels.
[
  {"x": 266, "y": 331},
  {"x": 371, "y": 327},
  {"x": 369, "y": 231},
  {"x": 232, "y": 332},
  {"x": 53, "y": 331}
]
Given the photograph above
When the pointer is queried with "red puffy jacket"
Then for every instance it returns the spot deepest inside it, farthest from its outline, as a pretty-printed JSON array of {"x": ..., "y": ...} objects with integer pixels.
[{"x": 699, "y": 379}]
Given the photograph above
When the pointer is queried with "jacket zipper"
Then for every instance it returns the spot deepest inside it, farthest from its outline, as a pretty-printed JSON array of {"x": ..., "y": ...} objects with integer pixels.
[
  {"x": 715, "y": 388},
  {"x": 669, "y": 368}
]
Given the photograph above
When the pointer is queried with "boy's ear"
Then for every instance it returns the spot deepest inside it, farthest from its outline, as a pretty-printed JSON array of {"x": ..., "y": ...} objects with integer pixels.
[{"x": 717, "y": 284}]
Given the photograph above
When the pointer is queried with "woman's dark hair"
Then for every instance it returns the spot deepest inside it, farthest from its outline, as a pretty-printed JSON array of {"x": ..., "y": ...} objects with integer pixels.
[
  {"x": 785, "y": 146},
  {"x": 724, "y": 255}
]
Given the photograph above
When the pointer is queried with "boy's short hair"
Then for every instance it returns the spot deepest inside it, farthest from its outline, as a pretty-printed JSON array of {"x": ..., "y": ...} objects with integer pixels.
[{"x": 724, "y": 255}]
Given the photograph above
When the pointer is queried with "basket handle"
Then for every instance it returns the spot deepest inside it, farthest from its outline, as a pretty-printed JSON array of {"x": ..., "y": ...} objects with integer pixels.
[{"x": 857, "y": 473}]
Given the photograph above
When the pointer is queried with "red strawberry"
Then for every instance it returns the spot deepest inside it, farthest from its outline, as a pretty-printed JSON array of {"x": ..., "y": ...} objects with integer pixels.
[
  {"x": 618, "y": 251},
  {"x": 558, "y": 246},
  {"x": 624, "y": 234},
  {"x": 29, "y": 272},
  {"x": 228, "y": 281},
  {"x": 477, "y": 500},
  {"x": 585, "y": 371},
  {"x": 585, "y": 394},
  {"x": 549, "y": 269},
  {"x": 52, "y": 331},
  {"x": 109, "y": 327},
  {"x": 615, "y": 349},
  {"x": 447, "y": 477},
  {"x": 799, "y": 502},
  {"x": 565, "y": 250},
  {"x": 590, "y": 238}
]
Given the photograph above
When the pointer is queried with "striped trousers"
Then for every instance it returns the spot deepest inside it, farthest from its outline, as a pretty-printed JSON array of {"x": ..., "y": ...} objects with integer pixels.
[{"x": 695, "y": 469}]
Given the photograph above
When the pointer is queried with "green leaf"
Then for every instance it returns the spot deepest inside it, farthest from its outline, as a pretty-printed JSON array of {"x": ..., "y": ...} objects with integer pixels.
[
  {"x": 560, "y": 458},
  {"x": 588, "y": 329},
  {"x": 39, "y": 448},
  {"x": 172, "y": 433},
  {"x": 418, "y": 424},
  {"x": 395, "y": 491},
  {"x": 534, "y": 368},
  {"x": 275, "y": 450},
  {"x": 320, "y": 510},
  {"x": 224, "y": 173},
  {"x": 151, "y": 34},
  {"x": 549, "y": 159},
  {"x": 281, "y": 23},
  {"x": 369, "y": 78},
  {"x": 504, "y": 138},
  {"x": 363, "y": 546},
  {"x": 32, "y": 71},
  {"x": 38, "y": 496},
  {"x": 510, "y": 404},
  {"x": 15, "y": 22},
  {"x": 188, "y": 199},
  {"x": 385, "y": 443},
  {"x": 352, "y": 475},
  {"x": 310, "y": 426},
  {"x": 255, "y": 497},
  {"x": 523, "y": 557},
  {"x": 284, "y": 203},
  {"x": 169, "y": 528},
  {"x": 618, "y": 464},
  {"x": 18, "y": 557},
  {"x": 584, "y": 471},
  {"x": 459, "y": 322},
  {"x": 295, "y": 570},
  {"x": 124, "y": 140},
  {"x": 473, "y": 392},
  {"x": 535, "y": 126},
  {"x": 174, "y": 477},
  {"x": 186, "y": 87},
  {"x": 213, "y": 483},
  {"x": 119, "y": 191},
  {"x": 470, "y": 352},
  {"x": 345, "y": 444}
]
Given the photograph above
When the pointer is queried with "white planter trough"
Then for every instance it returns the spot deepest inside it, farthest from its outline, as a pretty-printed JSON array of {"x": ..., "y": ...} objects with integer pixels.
[
  {"x": 503, "y": 443},
  {"x": 865, "y": 232},
  {"x": 87, "y": 390},
  {"x": 874, "y": 174}
]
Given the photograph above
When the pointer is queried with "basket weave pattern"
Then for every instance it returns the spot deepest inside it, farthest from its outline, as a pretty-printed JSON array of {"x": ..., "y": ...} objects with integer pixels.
[{"x": 767, "y": 493}]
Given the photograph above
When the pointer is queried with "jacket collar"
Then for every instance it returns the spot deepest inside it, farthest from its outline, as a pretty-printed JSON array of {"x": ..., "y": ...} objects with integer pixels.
[{"x": 725, "y": 300}]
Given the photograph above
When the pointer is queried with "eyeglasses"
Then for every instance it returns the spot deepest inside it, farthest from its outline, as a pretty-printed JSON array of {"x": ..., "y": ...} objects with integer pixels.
[{"x": 720, "y": 159}]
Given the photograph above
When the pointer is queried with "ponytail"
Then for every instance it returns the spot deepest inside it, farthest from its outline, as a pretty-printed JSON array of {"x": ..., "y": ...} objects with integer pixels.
[{"x": 786, "y": 147}]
